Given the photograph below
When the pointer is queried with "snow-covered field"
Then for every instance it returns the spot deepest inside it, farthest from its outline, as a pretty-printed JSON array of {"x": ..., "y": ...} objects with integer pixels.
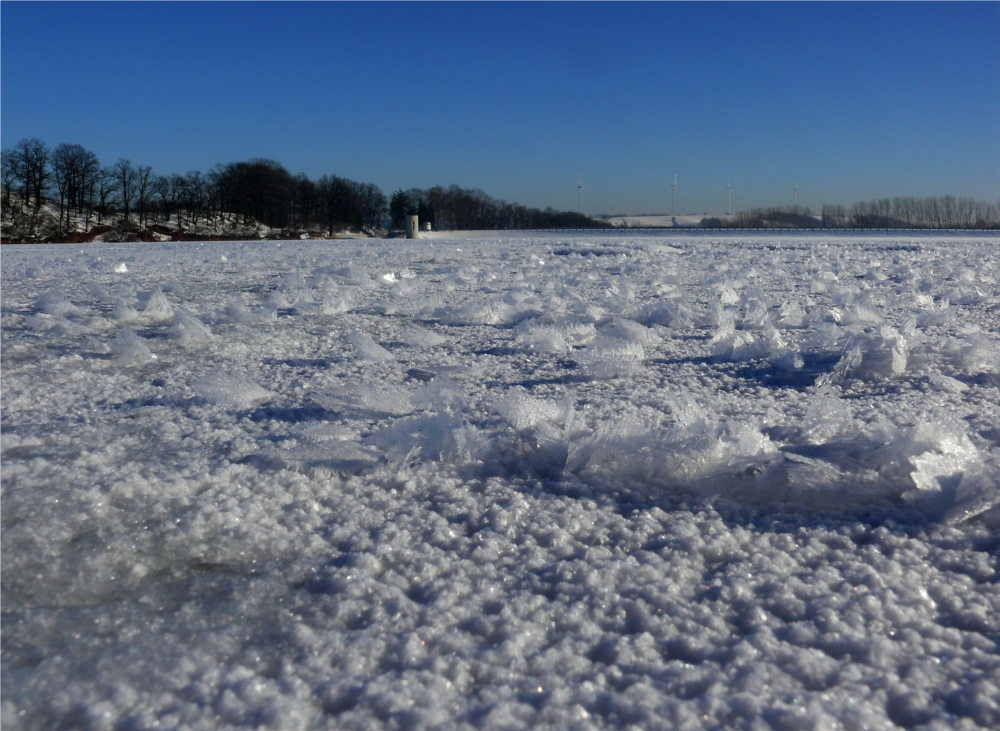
[
  {"x": 661, "y": 221},
  {"x": 545, "y": 481}
]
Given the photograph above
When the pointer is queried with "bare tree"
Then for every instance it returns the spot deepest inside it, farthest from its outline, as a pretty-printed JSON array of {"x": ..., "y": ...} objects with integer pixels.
[
  {"x": 258, "y": 190},
  {"x": 143, "y": 191},
  {"x": 61, "y": 161},
  {"x": 339, "y": 203},
  {"x": 7, "y": 177},
  {"x": 124, "y": 173},
  {"x": 306, "y": 198},
  {"x": 164, "y": 191},
  {"x": 106, "y": 181},
  {"x": 73, "y": 169},
  {"x": 88, "y": 170},
  {"x": 30, "y": 162},
  {"x": 372, "y": 203},
  {"x": 194, "y": 195}
]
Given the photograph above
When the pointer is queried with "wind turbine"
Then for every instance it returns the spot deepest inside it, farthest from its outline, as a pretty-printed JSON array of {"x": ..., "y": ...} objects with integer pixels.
[
  {"x": 729, "y": 202},
  {"x": 579, "y": 194},
  {"x": 796, "y": 195},
  {"x": 672, "y": 189}
]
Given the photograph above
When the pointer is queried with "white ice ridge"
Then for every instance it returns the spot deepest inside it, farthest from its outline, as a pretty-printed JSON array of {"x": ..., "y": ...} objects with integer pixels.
[
  {"x": 230, "y": 388},
  {"x": 367, "y": 348}
]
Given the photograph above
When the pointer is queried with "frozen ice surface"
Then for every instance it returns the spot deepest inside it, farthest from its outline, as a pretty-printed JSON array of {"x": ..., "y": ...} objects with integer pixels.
[{"x": 546, "y": 481}]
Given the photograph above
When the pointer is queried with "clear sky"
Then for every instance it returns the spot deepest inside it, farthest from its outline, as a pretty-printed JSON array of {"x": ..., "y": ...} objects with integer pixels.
[{"x": 849, "y": 100}]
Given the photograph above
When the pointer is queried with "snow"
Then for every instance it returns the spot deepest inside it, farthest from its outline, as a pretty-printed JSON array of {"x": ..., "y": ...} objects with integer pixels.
[
  {"x": 551, "y": 480},
  {"x": 662, "y": 220}
]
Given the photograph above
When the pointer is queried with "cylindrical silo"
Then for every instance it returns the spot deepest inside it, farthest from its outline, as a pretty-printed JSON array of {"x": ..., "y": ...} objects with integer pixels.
[{"x": 412, "y": 226}]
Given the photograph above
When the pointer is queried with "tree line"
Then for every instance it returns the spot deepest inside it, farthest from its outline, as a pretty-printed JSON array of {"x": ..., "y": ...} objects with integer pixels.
[
  {"x": 946, "y": 211},
  {"x": 234, "y": 198},
  {"x": 907, "y": 212},
  {"x": 231, "y": 199},
  {"x": 462, "y": 209}
]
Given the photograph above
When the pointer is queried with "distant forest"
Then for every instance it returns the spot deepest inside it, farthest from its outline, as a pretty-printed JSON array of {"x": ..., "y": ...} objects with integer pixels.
[
  {"x": 52, "y": 194},
  {"x": 231, "y": 199},
  {"x": 931, "y": 212}
]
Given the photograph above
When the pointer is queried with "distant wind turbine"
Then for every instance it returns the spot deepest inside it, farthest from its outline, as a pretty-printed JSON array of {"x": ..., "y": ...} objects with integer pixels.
[
  {"x": 729, "y": 202},
  {"x": 796, "y": 195},
  {"x": 672, "y": 189}
]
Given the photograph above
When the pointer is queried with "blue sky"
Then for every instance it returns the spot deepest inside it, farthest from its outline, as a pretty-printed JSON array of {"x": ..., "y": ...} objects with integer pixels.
[{"x": 849, "y": 100}]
